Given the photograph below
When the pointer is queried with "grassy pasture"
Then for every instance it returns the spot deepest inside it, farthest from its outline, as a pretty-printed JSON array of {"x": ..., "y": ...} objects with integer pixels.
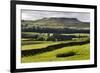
[
  {"x": 39, "y": 45},
  {"x": 81, "y": 53},
  {"x": 76, "y": 52}
]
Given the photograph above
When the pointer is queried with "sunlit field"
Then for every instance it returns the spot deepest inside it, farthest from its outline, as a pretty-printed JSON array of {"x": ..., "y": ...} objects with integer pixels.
[{"x": 43, "y": 50}]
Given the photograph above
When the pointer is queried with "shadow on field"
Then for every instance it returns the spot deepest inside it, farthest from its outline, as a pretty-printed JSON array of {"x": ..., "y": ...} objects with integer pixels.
[
  {"x": 50, "y": 48},
  {"x": 71, "y": 53}
]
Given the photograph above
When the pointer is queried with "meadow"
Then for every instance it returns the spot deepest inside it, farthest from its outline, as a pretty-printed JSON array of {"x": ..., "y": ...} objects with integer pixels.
[{"x": 45, "y": 48}]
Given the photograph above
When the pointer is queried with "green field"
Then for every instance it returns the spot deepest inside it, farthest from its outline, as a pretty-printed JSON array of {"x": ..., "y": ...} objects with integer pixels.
[
  {"x": 75, "y": 52},
  {"x": 82, "y": 53}
]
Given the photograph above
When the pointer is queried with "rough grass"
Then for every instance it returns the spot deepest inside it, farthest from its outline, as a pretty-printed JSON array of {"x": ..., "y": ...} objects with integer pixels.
[
  {"x": 30, "y": 44},
  {"x": 38, "y": 44},
  {"x": 82, "y": 52},
  {"x": 78, "y": 52}
]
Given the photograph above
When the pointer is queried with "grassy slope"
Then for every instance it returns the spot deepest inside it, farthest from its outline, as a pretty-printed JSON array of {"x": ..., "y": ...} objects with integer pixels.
[
  {"x": 82, "y": 53},
  {"x": 39, "y": 45}
]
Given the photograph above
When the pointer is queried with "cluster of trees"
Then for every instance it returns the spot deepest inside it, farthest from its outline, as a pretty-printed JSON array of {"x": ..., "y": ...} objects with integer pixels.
[
  {"x": 54, "y": 30},
  {"x": 50, "y": 37},
  {"x": 44, "y": 32}
]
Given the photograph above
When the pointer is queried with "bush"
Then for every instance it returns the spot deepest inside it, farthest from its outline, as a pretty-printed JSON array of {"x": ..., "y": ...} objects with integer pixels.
[{"x": 71, "y": 53}]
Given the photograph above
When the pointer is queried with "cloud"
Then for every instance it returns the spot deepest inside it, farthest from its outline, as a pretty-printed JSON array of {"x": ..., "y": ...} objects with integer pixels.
[{"x": 36, "y": 14}]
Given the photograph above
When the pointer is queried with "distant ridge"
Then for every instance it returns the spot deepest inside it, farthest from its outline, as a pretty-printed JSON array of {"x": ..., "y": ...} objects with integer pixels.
[{"x": 55, "y": 22}]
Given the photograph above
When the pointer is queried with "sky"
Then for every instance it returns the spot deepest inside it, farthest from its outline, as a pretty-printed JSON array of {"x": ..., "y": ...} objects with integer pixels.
[{"x": 37, "y": 14}]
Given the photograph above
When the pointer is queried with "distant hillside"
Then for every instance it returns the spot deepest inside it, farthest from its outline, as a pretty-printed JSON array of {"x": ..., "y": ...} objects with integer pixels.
[{"x": 56, "y": 23}]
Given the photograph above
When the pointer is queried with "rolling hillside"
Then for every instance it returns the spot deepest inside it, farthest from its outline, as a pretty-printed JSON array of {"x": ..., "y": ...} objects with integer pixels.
[{"x": 56, "y": 23}]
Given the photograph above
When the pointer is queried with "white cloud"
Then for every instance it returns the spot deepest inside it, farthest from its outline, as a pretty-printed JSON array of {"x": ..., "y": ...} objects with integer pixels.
[{"x": 36, "y": 14}]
